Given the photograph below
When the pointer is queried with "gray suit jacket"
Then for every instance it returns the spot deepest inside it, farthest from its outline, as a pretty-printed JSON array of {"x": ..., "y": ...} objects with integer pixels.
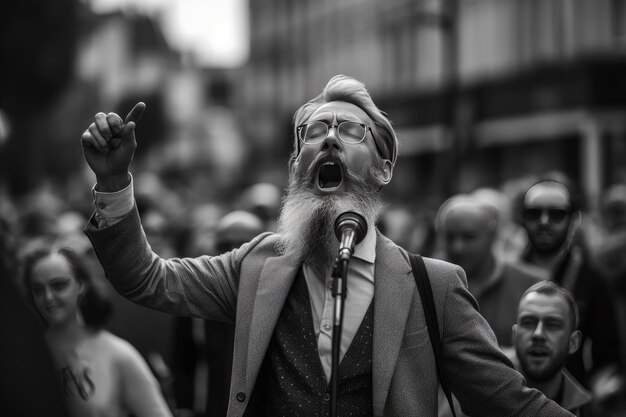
[{"x": 249, "y": 285}]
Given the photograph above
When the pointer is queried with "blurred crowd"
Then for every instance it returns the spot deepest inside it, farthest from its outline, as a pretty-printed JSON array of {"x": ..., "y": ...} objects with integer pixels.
[{"x": 495, "y": 247}]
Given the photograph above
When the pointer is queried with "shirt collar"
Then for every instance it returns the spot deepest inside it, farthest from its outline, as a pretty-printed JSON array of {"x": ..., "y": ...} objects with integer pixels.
[{"x": 366, "y": 250}]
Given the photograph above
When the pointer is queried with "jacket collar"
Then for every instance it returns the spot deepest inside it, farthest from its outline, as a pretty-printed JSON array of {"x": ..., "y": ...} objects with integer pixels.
[
  {"x": 574, "y": 395},
  {"x": 366, "y": 250}
]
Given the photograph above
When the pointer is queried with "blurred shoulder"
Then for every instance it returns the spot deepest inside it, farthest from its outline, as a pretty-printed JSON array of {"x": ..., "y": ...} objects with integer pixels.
[
  {"x": 108, "y": 350},
  {"x": 524, "y": 271},
  {"x": 119, "y": 349}
]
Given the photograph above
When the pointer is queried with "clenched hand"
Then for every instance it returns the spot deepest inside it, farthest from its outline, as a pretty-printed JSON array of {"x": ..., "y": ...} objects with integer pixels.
[{"x": 109, "y": 145}]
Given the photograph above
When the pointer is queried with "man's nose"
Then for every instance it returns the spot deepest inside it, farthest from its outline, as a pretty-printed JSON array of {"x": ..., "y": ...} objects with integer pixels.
[
  {"x": 457, "y": 246},
  {"x": 544, "y": 218},
  {"x": 332, "y": 139},
  {"x": 539, "y": 331}
]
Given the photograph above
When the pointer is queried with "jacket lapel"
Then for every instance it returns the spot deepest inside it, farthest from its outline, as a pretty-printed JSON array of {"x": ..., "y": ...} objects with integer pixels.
[
  {"x": 394, "y": 290},
  {"x": 274, "y": 284}
]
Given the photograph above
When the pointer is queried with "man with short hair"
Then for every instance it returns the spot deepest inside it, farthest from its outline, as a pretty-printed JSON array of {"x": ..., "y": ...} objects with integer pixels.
[
  {"x": 276, "y": 288},
  {"x": 544, "y": 336},
  {"x": 551, "y": 219}
]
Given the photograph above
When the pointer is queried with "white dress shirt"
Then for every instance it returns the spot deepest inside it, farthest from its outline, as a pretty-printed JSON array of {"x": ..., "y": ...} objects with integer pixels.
[{"x": 359, "y": 295}]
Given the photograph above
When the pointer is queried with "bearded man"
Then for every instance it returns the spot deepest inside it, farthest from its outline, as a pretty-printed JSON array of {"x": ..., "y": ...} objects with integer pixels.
[{"x": 276, "y": 288}]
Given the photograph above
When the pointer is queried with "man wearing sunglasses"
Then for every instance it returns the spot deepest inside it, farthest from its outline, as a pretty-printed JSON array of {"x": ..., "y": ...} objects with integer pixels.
[
  {"x": 276, "y": 288},
  {"x": 551, "y": 219}
]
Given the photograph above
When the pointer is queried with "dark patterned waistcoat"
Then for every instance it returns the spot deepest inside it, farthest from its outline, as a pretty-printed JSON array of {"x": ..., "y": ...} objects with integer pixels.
[{"x": 293, "y": 379}]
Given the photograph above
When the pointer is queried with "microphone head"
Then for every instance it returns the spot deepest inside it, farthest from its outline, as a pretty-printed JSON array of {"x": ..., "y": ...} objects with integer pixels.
[{"x": 353, "y": 221}]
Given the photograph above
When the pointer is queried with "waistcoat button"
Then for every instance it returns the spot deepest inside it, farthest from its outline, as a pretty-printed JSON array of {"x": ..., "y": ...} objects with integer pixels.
[{"x": 241, "y": 397}]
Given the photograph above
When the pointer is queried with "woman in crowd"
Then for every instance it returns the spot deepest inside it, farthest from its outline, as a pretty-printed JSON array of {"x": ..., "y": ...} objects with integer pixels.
[{"x": 100, "y": 373}]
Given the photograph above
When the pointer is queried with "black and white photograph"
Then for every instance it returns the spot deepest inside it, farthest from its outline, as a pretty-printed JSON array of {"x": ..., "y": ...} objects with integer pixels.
[{"x": 296, "y": 208}]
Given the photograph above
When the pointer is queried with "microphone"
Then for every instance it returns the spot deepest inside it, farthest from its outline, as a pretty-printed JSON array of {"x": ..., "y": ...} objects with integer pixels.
[{"x": 350, "y": 228}]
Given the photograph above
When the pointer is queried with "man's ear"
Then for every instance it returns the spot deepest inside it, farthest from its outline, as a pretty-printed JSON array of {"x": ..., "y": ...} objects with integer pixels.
[
  {"x": 82, "y": 290},
  {"x": 384, "y": 174},
  {"x": 574, "y": 225},
  {"x": 492, "y": 229},
  {"x": 576, "y": 220},
  {"x": 514, "y": 335},
  {"x": 574, "y": 341}
]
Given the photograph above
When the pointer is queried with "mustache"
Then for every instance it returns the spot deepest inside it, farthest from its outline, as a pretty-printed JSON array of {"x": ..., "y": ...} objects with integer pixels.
[
  {"x": 326, "y": 156},
  {"x": 306, "y": 219},
  {"x": 539, "y": 348}
]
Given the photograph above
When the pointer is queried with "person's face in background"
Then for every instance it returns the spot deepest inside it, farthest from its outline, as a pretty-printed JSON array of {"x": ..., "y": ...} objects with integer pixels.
[
  {"x": 468, "y": 237},
  {"x": 547, "y": 216},
  {"x": 55, "y": 290},
  {"x": 544, "y": 336},
  {"x": 613, "y": 208},
  {"x": 329, "y": 166}
]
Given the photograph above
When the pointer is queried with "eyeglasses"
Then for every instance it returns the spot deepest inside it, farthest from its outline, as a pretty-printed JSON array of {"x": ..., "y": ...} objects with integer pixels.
[
  {"x": 349, "y": 132},
  {"x": 555, "y": 215}
]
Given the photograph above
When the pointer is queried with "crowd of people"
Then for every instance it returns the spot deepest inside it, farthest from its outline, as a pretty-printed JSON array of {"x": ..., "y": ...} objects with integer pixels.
[{"x": 539, "y": 304}]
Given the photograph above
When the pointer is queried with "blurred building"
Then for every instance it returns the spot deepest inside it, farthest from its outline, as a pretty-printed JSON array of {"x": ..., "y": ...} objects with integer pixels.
[
  {"x": 481, "y": 91},
  {"x": 122, "y": 54},
  {"x": 116, "y": 59},
  {"x": 109, "y": 61},
  {"x": 188, "y": 131}
]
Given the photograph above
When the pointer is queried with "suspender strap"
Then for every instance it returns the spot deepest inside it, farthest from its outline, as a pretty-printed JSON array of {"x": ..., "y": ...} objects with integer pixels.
[{"x": 426, "y": 294}]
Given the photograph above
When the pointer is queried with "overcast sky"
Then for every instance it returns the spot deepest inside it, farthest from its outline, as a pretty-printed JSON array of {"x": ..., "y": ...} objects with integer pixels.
[{"x": 214, "y": 31}]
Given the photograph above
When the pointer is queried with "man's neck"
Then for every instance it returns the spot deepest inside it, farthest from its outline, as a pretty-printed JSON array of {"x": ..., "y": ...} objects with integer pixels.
[
  {"x": 482, "y": 276},
  {"x": 548, "y": 261},
  {"x": 550, "y": 388}
]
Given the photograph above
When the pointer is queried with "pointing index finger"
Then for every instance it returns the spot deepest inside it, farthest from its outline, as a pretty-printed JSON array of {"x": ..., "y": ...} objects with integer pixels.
[{"x": 135, "y": 113}]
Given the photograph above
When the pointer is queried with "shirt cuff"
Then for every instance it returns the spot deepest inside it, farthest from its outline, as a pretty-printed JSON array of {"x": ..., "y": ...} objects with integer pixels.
[{"x": 112, "y": 207}]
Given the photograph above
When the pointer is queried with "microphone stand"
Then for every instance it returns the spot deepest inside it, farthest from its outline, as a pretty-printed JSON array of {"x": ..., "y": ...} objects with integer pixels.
[
  {"x": 340, "y": 275},
  {"x": 350, "y": 228}
]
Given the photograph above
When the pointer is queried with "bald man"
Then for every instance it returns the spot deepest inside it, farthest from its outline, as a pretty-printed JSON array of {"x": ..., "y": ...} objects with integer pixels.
[{"x": 467, "y": 227}]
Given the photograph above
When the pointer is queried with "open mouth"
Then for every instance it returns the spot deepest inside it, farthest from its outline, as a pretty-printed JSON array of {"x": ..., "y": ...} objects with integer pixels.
[
  {"x": 329, "y": 176},
  {"x": 538, "y": 353}
]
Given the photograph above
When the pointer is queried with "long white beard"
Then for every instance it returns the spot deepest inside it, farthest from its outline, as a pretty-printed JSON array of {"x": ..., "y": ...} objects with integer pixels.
[{"x": 306, "y": 222}]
